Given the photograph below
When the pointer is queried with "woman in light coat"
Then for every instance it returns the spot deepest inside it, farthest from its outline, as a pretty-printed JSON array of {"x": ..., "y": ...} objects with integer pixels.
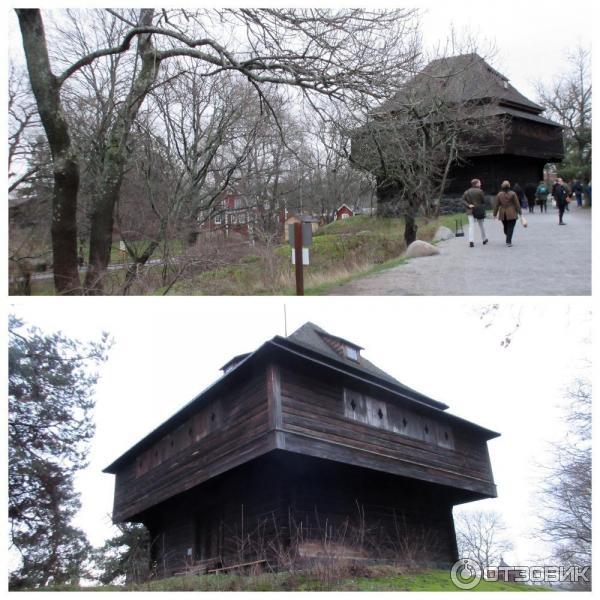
[{"x": 507, "y": 208}]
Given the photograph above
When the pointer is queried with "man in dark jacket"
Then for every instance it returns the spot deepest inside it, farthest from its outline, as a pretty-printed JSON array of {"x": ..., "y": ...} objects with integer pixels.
[
  {"x": 562, "y": 196},
  {"x": 577, "y": 189},
  {"x": 518, "y": 190},
  {"x": 474, "y": 200},
  {"x": 530, "y": 195}
]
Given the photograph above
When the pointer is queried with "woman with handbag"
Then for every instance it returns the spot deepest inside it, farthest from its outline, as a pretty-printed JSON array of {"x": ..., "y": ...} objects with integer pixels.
[
  {"x": 474, "y": 200},
  {"x": 507, "y": 208}
]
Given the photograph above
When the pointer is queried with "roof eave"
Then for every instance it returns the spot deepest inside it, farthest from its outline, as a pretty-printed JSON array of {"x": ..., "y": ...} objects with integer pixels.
[
  {"x": 138, "y": 446},
  {"x": 281, "y": 344}
]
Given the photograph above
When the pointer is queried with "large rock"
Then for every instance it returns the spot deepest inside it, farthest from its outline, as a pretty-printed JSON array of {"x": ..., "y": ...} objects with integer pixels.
[
  {"x": 443, "y": 233},
  {"x": 420, "y": 248}
]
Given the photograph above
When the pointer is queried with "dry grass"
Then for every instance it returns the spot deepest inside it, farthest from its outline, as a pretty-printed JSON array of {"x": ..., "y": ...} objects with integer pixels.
[{"x": 341, "y": 252}]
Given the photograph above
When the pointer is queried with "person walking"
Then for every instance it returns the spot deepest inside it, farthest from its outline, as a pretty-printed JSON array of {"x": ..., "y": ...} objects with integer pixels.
[
  {"x": 530, "y": 189},
  {"x": 541, "y": 194},
  {"x": 507, "y": 208},
  {"x": 588, "y": 191},
  {"x": 563, "y": 197},
  {"x": 520, "y": 195},
  {"x": 577, "y": 189},
  {"x": 474, "y": 200}
]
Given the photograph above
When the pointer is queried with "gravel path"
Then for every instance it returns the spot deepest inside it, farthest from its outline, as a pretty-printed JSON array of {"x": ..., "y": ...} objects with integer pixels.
[{"x": 545, "y": 260}]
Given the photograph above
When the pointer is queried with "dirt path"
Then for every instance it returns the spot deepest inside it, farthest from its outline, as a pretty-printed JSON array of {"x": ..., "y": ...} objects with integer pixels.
[{"x": 545, "y": 260}]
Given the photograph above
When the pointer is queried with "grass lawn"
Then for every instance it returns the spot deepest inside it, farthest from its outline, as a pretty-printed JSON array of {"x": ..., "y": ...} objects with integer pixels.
[
  {"x": 341, "y": 251},
  {"x": 374, "y": 579}
]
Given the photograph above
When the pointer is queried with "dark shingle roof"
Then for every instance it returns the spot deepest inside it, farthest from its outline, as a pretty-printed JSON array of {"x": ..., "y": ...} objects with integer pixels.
[
  {"x": 462, "y": 78},
  {"x": 311, "y": 336},
  {"x": 490, "y": 110},
  {"x": 235, "y": 360}
]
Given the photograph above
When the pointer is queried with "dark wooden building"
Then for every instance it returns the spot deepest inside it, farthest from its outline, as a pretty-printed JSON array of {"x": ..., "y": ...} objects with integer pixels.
[
  {"x": 303, "y": 448},
  {"x": 514, "y": 141}
]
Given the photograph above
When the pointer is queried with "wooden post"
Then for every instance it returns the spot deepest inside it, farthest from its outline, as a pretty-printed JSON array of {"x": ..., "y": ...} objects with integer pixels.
[{"x": 299, "y": 261}]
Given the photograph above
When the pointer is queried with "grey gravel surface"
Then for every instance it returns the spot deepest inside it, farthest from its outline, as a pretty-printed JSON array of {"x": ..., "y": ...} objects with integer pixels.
[{"x": 545, "y": 260}]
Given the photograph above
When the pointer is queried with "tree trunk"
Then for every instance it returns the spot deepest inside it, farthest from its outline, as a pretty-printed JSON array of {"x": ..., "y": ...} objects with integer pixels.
[
  {"x": 101, "y": 228},
  {"x": 109, "y": 187},
  {"x": 64, "y": 160},
  {"x": 140, "y": 261},
  {"x": 410, "y": 229},
  {"x": 449, "y": 161}
]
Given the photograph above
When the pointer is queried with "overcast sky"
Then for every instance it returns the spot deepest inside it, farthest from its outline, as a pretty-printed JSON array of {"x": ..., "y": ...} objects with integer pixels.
[
  {"x": 532, "y": 39},
  {"x": 169, "y": 349}
]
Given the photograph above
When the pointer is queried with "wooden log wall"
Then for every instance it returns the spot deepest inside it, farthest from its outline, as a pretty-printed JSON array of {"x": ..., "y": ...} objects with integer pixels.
[
  {"x": 493, "y": 170},
  {"x": 287, "y": 503},
  {"x": 225, "y": 432},
  {"x": 227, "y": 517},
  {"x": 289, "y": 445},
  {"x": 534, "y": 140},
  {"x": 319, "y": 420}
]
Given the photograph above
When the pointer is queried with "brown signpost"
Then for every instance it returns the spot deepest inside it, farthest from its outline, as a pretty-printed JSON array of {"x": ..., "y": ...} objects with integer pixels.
[{"x": 299, "y": 259}]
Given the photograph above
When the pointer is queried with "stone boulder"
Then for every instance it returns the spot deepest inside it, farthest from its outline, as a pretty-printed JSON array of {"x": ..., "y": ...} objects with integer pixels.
[
  {"x": 442, "y": 234},
  {"x": 420, "y": 248}
]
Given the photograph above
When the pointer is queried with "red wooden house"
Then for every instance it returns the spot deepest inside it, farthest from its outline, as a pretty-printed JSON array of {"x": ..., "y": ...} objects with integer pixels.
[
  {"x": 343, "y": 212},
  {"x": 236, "y": 213}
]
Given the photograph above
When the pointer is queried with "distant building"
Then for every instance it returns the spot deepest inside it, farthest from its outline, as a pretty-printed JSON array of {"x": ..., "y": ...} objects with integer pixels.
[
  {"x": 343, "y": 212},
  {"x": 304, "y": 447},
  {"x": 314, "y": 223},
  {"x": 236, "y": 213},
  {"x": 506, "y": 573},
  {"x": 517, "y": 142}
]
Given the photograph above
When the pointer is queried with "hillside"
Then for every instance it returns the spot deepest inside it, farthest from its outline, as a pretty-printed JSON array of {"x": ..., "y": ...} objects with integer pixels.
[
  {"x": 365, "y": 579},
  {"x": 341, "y": 251}
]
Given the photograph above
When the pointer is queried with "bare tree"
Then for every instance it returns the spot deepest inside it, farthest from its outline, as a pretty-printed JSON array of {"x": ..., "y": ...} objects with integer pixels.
[
  {"x": 569, "y": 100},
  {"x": 566, "y": 494},
  {"x": 191, "y": 143},
  {"x": 333, "y": 180},
  {"x": 269, "y": 174},
  {"x": 46, "y": 88},
  {"x": 410, "y": 143},
  {"x": 341, "y": 54},
  {"x": 22, "y": 119},
  {"x": 481, "y": 536}
]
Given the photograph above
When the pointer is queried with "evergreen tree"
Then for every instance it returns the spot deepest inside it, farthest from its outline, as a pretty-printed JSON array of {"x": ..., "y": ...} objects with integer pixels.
[
  {"x": 50, "y": 394},
  {"x": 125, "y": 558}
]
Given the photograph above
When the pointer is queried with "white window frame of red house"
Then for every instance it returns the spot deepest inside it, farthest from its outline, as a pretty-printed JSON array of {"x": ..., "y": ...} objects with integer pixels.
[
  {"x": 218, "y": 219},
  {"x": 345, "y": 215}
]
